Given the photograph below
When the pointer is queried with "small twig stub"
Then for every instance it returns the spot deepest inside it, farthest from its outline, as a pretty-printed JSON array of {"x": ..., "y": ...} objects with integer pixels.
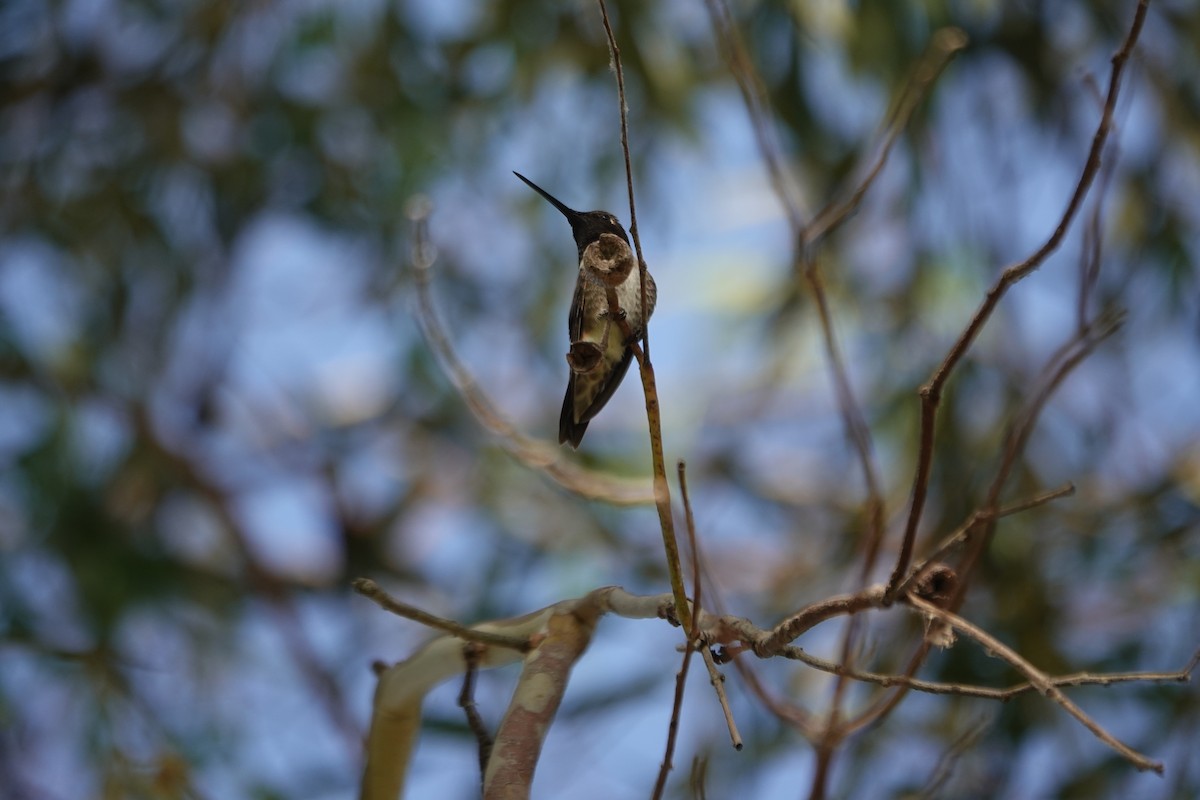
[{"x": 608, "y": 260}]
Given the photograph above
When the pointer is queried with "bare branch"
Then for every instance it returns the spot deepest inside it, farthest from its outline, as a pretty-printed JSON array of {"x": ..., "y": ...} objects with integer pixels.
[
  {"x": 931, "y": 392},
  {"x": 717, "y": 679},
  {"x": 758, "y": 109},
  {"x": 374, "y": 592},
  {"x": 1041, "y": 682},
  {"x": 662, "y": 492},
  {"x": 689, "y": 647},
  {"x": 945, "y": 44},
  {"x": 615, "y": 52},
  {"x": 888, "y": 680},
  {"x": 535, "y": 703},
  {"x": 980, "y": 515},
  {"x": 466, "y": 701}
]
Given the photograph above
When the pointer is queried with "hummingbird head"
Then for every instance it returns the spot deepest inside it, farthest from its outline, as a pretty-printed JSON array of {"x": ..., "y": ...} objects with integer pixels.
[{"x": 586, "y": 226}]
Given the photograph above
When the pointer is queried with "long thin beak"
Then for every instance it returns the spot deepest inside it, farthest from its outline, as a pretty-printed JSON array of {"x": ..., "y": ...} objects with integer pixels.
[{"x": 571, "y": 214}]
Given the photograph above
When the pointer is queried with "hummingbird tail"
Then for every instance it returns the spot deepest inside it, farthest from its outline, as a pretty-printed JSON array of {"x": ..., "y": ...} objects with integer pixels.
[{"x": 568, "y": 429}]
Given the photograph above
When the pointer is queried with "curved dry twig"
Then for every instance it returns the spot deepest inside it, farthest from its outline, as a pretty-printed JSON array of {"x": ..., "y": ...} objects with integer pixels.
[{"x": 943, "y": 46}]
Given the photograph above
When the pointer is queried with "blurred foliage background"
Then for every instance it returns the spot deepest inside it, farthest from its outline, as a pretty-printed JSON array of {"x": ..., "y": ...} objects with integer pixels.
[{"x": 217, "y": 408}]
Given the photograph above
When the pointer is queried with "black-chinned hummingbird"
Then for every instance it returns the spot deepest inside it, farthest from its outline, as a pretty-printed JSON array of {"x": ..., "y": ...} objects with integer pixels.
[{"x": 588, "y": 390}]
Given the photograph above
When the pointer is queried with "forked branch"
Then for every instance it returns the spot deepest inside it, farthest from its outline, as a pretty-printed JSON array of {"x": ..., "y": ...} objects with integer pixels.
[{"x": 931, "y": 392}]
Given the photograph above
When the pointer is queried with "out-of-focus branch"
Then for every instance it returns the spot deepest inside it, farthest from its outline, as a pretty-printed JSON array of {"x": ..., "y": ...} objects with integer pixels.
[
  {"x": 277, "y": 594},
  {"x": 1093, "y": 240},
  {"x": 758, "y": 109},
  {"x": 1057, "y": 368},
  {"x": 946, "y": 762},
  {"x": 945, "y": 44},
  {"x": 537, "y": 455},
  {"x": 660, "y": 785},
  {"x": 805, "y": 238}
]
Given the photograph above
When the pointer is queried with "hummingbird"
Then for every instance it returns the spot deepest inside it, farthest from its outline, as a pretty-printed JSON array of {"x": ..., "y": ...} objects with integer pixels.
[{"x": 591, "y": 387}]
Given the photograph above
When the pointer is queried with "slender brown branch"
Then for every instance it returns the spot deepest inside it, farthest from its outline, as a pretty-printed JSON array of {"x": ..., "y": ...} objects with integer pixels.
[
  {"x": 1058, "y": 366},
  {"x": 1041, "y": 682},
  {"x": 689, "y": 647},
  {"x": 660, "y": 784},
  {"x": 809, "y": 617},
  {"x": 662, "y": 492},
  {"x": 693, "y": 542},
  {"x": 374, "y": 592},
  {"x": 945, "y": 44},
  {"x": 615, "y": 52},
  {"x": 979, "y": 515},
  {"x": 1093, "y": 241},
  {"x": 931, "y": 392},
  {"x": 466, "y": 701},
  {"x": 888, "y": 680},
  {"x": 698, "y": 778},
  {"x": 853, "y": 419},
  {"x": 1082, "y": 345},
  {"x": 717, "y": 679}
]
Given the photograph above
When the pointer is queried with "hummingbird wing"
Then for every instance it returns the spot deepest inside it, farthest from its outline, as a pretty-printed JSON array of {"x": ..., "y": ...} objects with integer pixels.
[
  {"x": 575, "y": 317},
  {"x": 568, "y": 429}
]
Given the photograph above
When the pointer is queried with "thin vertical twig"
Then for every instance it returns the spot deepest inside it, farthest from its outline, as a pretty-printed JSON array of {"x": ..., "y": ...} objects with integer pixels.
[
  {"x": 689, "y": 647},
  {"x": 615, "y": 51},
  {"x": 662, "y": 492},
  {"x": 466, "y": 701}
]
